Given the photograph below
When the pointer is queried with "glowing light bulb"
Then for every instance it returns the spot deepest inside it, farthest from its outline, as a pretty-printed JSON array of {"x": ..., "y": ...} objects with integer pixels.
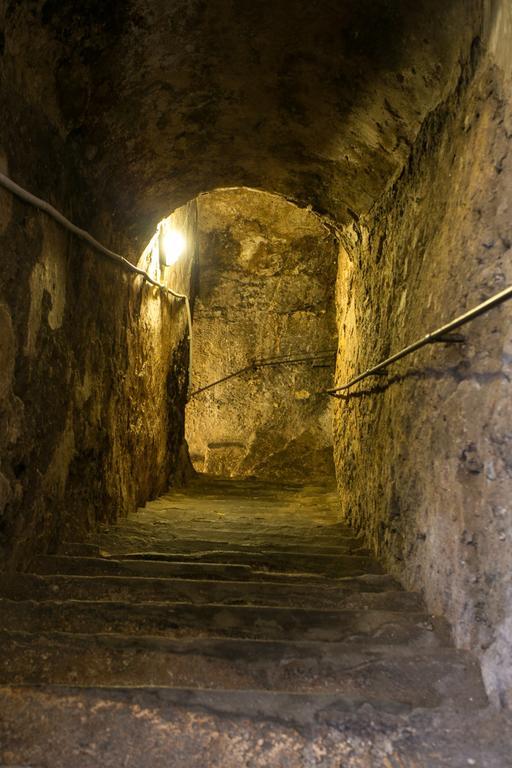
[{"x": 174, "y": 245}]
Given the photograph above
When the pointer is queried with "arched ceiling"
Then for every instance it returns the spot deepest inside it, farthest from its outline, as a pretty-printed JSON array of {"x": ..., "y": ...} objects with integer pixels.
[{"x": 318, "y": 101}]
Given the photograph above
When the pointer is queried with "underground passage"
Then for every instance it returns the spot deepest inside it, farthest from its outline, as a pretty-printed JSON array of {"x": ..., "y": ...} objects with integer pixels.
[{"x": 255, "y": 383}]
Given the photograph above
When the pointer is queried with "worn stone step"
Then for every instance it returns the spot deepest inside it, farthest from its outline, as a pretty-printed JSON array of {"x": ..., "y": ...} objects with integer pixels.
[
  {"x": 223, "y": 516},
  {"x": 212, "y": 532},
  {"x": 62, "y": 726},
  {"x": 259, "y": 622},
  {"x": 152, "y": 542},
  {"x": 361, "y": 593},
  {"x": 336, "y": 568},
  {"x": 199, "y": 494},
  {"x": 282, "y": 562},
  {"x": 421, "y": 679},
  {"x": 80, "y": 565},
  {"x": 301, "y": 507}
]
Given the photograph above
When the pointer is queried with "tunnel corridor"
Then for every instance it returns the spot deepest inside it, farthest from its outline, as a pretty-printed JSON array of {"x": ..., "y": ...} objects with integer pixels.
[{"x": 255, "y": 371}]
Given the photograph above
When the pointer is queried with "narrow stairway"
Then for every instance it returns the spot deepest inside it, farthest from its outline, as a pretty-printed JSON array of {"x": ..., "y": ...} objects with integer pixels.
[{"x": 234, "y": 624}]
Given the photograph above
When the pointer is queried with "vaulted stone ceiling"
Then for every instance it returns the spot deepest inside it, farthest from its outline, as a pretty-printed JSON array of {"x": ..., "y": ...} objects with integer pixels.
[{"x": 318, "y": 101}]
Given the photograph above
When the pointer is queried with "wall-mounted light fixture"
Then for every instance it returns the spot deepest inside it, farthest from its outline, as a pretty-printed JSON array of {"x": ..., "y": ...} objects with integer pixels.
[
  {"x": 177, "y": 246},
  {"x": 172, "y": 244},
  {"x": 168, "y": 245}
]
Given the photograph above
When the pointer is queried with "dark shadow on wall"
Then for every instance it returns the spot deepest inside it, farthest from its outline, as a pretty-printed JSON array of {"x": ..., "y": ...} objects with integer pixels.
[
  {"x": 317, "y": 101},
  {"x": 457, "y": 373}
]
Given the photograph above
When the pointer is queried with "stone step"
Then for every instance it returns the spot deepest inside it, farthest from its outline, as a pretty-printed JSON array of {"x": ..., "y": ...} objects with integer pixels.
[
  {"x": 298, "y": 503},
  {"x": 63, "y": 564},
  {"x": 62, "y": 726},
  {"x": 362, "y": 593},
  {"x": 254, "y": 515},
  {"x": 259, "y": 535},
  {"x": 281, "y": 562},
  {"x": 152, "y": 542},
  {"x": 419, "y": 679},
  {"x": 336, "y": 568},
  {"x": 180, "y": 620}
]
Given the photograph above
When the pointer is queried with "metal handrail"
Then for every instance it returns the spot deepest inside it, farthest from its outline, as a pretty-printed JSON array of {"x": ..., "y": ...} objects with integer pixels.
[
  {"x": 441, "y": 335},
  {"x": 319, "y": 357},
  {"x": 42, "y": 205}
]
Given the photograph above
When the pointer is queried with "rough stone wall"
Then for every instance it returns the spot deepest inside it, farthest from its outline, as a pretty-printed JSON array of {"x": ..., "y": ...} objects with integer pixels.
[
  {"x": 266, "y": 289},
  {"x": 92, "y": 362},
  {"x": 424, "y": 455},
  {"x": 164, "y": 100},
  {"x": 94, "y": 375}
]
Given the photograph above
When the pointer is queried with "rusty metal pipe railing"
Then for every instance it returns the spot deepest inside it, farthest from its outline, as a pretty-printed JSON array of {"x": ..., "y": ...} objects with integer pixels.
[
  {"x": 440, "y": 335},
  {"x": 319, "y": 357},
  {"x": 81, "y": 234}
]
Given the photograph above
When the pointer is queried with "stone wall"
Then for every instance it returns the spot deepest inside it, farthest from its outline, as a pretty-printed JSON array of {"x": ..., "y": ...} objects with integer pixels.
[
  {"x": 93, "y": 383},
  {"x": 424, "y": 455},
  {"x": 165, "y": 100},
  {"x": 266, "y": 289},
  {"x": 93, "y": 363}
]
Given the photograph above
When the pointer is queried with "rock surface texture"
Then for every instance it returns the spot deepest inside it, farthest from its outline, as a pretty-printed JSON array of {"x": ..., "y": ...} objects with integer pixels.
[
  {"x": 162, "y": 101},
  {"x": 423, "y": 455},
  {"x": 267, "y": 272},
  {"x": 170, "y": 640},
  {"x": 93, "y": 379}
]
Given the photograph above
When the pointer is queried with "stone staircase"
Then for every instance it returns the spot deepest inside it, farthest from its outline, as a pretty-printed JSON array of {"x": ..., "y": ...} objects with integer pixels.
[{"x": 237, "y": 624}]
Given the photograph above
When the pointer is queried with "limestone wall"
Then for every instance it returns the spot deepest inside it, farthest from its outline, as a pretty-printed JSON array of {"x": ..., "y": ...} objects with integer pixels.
[
  {"x": 94, "y": 373},
  {"x": 93, "y": 363},
  {"x": 424, "y": 455},
  {"x": 266, "y": 289}
]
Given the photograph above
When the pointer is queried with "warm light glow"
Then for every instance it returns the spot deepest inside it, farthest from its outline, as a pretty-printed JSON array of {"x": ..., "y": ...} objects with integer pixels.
[{"x": 173, "y": 245}]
